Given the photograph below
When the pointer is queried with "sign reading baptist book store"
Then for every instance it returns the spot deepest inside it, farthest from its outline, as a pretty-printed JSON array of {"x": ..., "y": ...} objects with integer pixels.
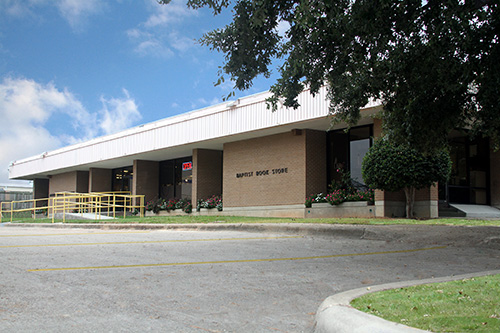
[{"x": 266, "y": 172}]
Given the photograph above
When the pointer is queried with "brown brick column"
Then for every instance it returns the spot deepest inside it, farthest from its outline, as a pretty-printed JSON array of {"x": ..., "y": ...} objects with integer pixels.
[
  {"x": 207, "y": 174},
  {"x": 316, "y": 181},
  {"x": 82, "y": 181},
  {"x": 390, "y": 204},
  {"x": 41, "y": 191},
  {"x": 426, "y": 202},
  {"x": 100, "y": 180},
  {"x": 387, "y": 204},
  {"x": 146, "y": 179},
  {"x": 393, "y": 204},
  {"x": 74, "y": 181}
]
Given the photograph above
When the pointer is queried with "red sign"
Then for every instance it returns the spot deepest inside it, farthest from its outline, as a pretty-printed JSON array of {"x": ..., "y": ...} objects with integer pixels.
[{"x": 186, "y": 166}]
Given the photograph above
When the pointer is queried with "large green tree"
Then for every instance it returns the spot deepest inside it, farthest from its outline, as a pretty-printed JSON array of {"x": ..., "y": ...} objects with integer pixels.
[{"x": 434, "y": 64}]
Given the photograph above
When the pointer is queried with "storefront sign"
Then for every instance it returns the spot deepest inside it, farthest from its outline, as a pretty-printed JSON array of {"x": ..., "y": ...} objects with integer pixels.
[
  {"x": 265, "y": 172},
  {"x": 186, "y": 166}
]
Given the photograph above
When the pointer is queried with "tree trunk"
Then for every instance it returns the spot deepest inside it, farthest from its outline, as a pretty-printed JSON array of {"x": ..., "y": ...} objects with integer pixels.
[{"x": 410, "y": 200}]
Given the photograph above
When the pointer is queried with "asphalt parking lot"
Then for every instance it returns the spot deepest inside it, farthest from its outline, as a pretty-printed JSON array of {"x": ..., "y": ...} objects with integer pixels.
[{"x": 83, "y": 280}]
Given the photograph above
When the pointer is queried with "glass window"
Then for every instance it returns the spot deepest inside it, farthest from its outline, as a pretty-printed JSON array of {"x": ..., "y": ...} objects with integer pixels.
[
  {"x": 470, "y": 172},
  {"x": 167, "y": 180},
  {"x": 346, "y": 151},
  {"x": 122, "y": 179},
  {"x": 358, "y": 149},
  {"x": 176, "y": 178}
]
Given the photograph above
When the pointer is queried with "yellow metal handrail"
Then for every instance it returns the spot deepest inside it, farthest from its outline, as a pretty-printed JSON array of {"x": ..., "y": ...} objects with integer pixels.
[{"x": 96, "y": 203}]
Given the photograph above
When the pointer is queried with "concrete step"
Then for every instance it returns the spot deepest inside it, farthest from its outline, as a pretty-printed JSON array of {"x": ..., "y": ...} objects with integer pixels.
[{"x": 450, "y": 212}]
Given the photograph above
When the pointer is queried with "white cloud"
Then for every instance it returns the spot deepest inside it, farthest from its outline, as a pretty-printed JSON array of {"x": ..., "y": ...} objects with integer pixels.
[
  {"x": 27, "y": 107},
  {"x": 180, "y": 43},
  {"x": 175, "y": 12},
  {"x": 147, "y": 44},
  {"x": 75, "y": 12},
  {"x": 203, "y": 102},
  {"x": 15, "y": 8},
  {"x": 158, "y": 36},
  {"x": 118, "y": 114}
]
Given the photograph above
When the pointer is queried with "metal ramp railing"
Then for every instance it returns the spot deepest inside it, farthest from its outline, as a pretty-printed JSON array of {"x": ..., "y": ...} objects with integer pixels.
[{"x": 98, "y": 204}]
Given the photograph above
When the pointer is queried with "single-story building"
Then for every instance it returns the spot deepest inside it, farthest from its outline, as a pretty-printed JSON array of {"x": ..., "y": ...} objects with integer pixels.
[
  {"x": 263, "y": 163},
  {"x": 9, "y": 193}
]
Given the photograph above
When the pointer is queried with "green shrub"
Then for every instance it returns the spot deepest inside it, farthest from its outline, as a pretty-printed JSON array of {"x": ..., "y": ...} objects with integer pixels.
[{"x": 390, "y": 167}]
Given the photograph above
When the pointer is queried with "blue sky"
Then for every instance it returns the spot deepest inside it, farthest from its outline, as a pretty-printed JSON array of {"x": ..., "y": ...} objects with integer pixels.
[{"x": 72, "y": 70}]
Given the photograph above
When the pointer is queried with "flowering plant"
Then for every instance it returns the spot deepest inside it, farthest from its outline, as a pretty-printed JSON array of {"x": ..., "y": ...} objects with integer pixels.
[
  {"x": 315, "y": 199},
  {"x": 215, "y": 201},
  {"x": 336, "y": 197},
  {"x": 367, "y": 195},
  {"x": 339, "y": 196},
  {"x": 152, "y": 205},
  {"x": 172, "y": 204},
  {"x": 343, "y": 181}
]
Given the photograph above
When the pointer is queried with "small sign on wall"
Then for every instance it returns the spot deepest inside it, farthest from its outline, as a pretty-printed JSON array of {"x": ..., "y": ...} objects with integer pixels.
[
  {"x": 265, "y": 172},
  {"x": 186, "y": 166}
]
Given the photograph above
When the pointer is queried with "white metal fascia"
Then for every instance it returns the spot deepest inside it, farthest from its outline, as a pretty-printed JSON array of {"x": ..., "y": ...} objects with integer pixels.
[{"x": 229, "y": 119}]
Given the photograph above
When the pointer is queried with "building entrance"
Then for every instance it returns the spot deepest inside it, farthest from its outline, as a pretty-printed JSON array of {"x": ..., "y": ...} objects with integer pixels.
[
  {"x": 346, "y": 150},
  {"x": 176, "y": 178},
  {"x": 469, "y": 180}
]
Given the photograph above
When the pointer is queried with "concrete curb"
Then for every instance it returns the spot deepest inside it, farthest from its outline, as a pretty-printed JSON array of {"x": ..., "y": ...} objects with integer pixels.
[
  {"x": 482, "y": 236},
  {"x": 348, "y": 231},
  {"x": 338, "y": 306}
]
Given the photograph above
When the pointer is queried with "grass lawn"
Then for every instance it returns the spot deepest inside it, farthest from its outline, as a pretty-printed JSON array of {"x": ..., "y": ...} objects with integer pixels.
[
  {"x": 457, "y": 306},
  {"x": 182, "y": 219}
]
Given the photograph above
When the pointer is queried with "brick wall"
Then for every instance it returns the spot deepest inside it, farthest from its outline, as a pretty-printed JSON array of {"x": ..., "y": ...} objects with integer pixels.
[
  {"x": 377, "y": 128},
  {"x": 41, "y": 191},
  {"x": 63, "y": 182},
  {"x": 316, "y": 180},
  {"x": 248, "y": 178},
  {"x": 100, "y": 180},
  {"x": 74, "y": 181},
  {"x": 427, "y": 194},
  {"x": 146, "y": 179},
  {"x": 280, "y": 169},
  {"x": 82, "y": 181},
  {"x": 207, "y": 174}
]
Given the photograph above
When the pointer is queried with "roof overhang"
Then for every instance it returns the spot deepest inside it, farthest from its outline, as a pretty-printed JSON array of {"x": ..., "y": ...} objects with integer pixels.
[{"x": 177, "y": 136}]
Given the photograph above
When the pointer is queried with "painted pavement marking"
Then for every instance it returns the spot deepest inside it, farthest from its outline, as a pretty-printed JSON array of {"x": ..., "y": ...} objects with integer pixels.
[
  {"x": 233, "y": 261},
  {"x": 152, "y": 242},
  {"x": 80, "y": 233}
]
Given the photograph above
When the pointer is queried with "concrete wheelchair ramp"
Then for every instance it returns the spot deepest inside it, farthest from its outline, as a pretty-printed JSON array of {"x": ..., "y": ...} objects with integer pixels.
[{"x": 478, "y": 211}]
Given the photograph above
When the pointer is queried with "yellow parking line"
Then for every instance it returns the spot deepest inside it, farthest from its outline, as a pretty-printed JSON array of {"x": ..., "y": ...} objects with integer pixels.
[
  {"x": 149, "y": 242},
  {"x": 234, "y": 261},
  {"x": 80, "y": 233}
]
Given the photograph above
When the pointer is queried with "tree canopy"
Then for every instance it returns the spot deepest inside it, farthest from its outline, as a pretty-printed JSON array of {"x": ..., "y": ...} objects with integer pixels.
[{"x": 433, "y": 64}]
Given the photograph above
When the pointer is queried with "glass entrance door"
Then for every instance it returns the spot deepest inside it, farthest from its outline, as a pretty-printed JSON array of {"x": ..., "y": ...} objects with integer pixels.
[{"x": 469, "y": 181}]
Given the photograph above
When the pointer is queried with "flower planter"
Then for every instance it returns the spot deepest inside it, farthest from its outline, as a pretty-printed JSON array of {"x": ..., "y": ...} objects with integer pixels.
[
  {"x": 209, "y": 212},
  {"x": 345, "y": 209},
  {"x": 166, "y": 213}
]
